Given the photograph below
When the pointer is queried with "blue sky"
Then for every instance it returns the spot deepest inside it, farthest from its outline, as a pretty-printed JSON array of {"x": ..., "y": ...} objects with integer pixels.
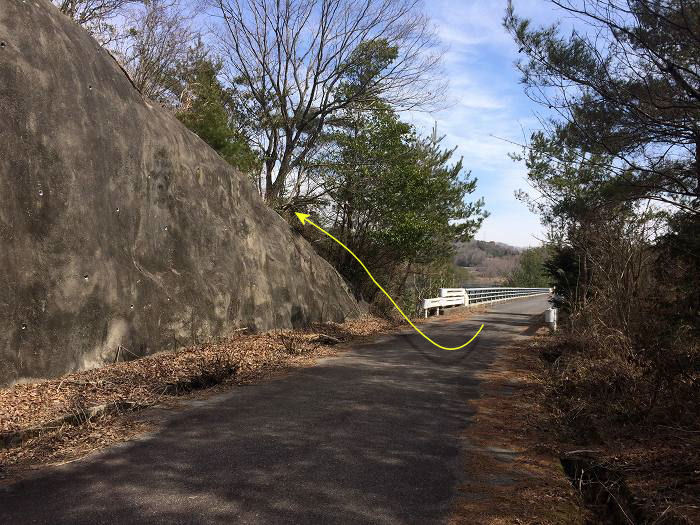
[
  {"x": 487, "y": 104},
  {"x": 487, "y": 101}
]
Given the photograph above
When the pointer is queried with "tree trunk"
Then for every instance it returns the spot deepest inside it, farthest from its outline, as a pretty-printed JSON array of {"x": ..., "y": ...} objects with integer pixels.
[
  {"x": 402, "y": 286},
  {"x": 697, "y": 167}
]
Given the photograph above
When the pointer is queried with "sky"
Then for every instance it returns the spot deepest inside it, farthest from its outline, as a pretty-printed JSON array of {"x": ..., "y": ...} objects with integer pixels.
[{"x": 487, "y": 104}]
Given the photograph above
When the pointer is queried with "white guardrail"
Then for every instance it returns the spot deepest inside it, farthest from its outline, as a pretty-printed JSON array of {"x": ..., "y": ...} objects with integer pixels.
[{"x": 472, "y": 296}]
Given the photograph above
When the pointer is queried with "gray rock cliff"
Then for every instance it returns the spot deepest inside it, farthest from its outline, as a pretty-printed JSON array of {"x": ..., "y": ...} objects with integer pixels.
[{"x": 118, "y": 226}]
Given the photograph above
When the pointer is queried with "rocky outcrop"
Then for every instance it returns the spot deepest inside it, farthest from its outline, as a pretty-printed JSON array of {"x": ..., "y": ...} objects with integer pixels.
[{"x": 118, "y": 226}]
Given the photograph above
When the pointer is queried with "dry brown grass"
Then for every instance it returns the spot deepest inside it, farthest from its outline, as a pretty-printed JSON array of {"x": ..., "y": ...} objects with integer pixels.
[
  {"x": 526, "y": 485},
  {"x": 599, "y": 398},
  {"x": 624, "y": 373}
]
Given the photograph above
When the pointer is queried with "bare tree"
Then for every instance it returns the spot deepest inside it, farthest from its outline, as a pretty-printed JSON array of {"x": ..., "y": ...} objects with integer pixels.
[
  {"x": 159, "y": 39},
  {"x": 300, "y": 63},
  {"x": 96, "y": 15}
]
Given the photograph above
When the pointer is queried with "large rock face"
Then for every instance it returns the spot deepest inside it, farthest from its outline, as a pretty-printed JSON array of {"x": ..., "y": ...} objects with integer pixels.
[{"x": 118, "y": 226}]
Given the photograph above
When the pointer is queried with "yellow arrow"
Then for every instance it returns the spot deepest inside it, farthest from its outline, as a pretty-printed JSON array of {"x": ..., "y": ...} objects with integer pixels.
[{"x": 304, "y": 218}]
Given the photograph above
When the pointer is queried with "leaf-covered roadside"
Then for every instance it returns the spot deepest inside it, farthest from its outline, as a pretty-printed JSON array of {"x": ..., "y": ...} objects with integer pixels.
[
  {"x": 148, "y": 380},
  {"x": 154, "y": 380}
]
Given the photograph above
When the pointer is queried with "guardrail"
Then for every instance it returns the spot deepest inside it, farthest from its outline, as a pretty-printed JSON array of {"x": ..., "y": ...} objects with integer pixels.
[{"x": 471, "y": 296}]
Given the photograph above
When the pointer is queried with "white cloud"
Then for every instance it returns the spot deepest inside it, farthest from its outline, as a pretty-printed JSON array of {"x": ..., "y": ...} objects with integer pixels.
[
  {"x": 513, "y": 226},
  {"x": 486, "y": 105}
]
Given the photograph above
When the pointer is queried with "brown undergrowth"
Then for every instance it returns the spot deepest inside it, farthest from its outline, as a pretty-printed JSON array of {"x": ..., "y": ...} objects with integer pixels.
[
  {"x": 512, "y": 469},
  {"x": 648, "y": 452}
]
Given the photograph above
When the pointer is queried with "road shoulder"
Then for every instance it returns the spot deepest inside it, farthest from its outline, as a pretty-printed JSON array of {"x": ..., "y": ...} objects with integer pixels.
[{"x": 512, "y": 473}]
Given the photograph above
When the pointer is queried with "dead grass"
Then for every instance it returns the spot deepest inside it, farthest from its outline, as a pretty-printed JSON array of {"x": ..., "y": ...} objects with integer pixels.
[
  {"x": 68, "y": 443},
  {"x": 590, "y": 401},
  {"x": 511, "y": 464}
]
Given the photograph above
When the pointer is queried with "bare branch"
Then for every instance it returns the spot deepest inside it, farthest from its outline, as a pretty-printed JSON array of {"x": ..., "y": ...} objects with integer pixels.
[{"x": 302, "y": 61}]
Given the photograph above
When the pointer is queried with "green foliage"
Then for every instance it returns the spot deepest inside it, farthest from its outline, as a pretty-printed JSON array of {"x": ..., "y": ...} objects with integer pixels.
[
  {"x": 627, "y": 94},
  {"x": 207, "y": 112},
  {"x": 531, "y": 271},
  {"x": 564, "y": 270},
  {"x": 394, "y": 198},
  {"x": 422, "y": 282},
  {"x": 570, "y": 183},
  {"x": 363, "y": 69},
  {"x": 678, "y": 266}
]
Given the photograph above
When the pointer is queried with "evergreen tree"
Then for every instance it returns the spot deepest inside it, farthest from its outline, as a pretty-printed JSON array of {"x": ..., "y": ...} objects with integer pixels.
[
  {"x": 207, "y": 111},
  {"x": 530, "y": 272},
  {"x": 395, "y": 198}
]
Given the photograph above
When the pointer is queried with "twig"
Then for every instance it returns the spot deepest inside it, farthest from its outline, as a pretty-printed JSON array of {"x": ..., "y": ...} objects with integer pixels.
[
  {"x": 657, "y": 520},
  {"x": 590, "y": 451},
  {"x": 681, "y": 429},
  {"x": 128, "y": 351}
]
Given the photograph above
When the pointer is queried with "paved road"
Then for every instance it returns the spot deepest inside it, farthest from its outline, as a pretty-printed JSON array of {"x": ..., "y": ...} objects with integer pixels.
[{"x": 372, "y": 436}]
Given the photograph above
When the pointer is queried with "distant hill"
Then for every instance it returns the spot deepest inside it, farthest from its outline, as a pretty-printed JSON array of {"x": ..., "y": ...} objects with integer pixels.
[
  {"x": 474, "y": 253},
  {"x": 489, "y": 262}
]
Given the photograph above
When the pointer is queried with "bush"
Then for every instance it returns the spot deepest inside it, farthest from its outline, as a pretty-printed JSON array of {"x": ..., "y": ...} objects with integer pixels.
[{"x": 628, "y": 351}]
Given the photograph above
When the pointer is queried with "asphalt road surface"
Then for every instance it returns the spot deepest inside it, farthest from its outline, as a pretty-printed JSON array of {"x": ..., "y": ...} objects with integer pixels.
[{"x": 372, "y": 436}]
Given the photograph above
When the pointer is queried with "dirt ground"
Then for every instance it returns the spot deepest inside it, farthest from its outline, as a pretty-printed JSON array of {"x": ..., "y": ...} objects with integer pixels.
[{"x": 513, "y": 470}]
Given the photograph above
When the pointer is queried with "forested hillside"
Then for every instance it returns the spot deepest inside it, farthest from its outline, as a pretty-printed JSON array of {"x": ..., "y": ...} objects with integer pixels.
[
  {"x": 489, "y": 262},
  {"x": 474, "y": 253}
]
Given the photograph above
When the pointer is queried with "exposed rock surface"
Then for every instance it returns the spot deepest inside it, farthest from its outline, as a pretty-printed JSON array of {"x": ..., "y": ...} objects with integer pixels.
[{"x": 118, "y": 226}]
